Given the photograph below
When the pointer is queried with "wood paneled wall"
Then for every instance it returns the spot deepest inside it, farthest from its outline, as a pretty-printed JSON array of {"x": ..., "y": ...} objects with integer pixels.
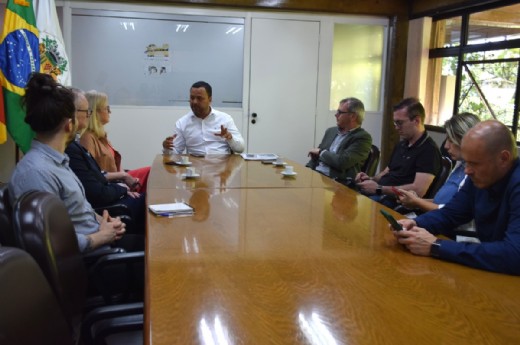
[
  {"x": 420, "y": 8},
  {"x": 368, "y": 7}
]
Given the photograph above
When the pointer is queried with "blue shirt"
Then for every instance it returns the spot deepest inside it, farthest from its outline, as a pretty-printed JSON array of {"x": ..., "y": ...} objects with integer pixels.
[
  {"x": 496, "y": 211},
  {"x": 46, "y": 169},
  {"x": 451, "y": 186}
]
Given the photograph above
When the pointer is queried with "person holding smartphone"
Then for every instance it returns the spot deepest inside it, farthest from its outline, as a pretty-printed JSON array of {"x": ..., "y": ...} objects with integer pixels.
[
  {"x": 490, "y": 196},
  {"x": 415, "y": 161}
]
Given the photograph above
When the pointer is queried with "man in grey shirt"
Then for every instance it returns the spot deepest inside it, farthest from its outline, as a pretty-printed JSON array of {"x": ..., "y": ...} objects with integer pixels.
[{"x": 52, "y": 116}]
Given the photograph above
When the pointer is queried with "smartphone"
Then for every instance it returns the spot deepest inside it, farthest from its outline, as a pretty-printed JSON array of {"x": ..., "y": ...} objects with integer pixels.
[
  {"x": 396, "y": 191},
  {"x": 395, "y": 225}
]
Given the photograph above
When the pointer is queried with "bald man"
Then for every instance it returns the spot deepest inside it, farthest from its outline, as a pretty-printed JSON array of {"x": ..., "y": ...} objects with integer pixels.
[{"x": 491, "y": 197}]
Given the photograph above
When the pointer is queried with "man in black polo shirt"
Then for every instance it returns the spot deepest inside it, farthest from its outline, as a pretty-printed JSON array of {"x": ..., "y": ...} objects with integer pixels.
[{"x": 415, "y": 162}]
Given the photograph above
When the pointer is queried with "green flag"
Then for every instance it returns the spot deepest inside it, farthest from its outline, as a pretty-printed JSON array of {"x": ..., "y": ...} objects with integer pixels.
[{"x": 19, "y": 57}]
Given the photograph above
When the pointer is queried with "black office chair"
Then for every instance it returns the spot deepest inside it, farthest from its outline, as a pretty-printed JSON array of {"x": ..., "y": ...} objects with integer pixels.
[
  {"x": 45, "y": 231},
  {"x": 30, "y": 313},
  {"x": 370, "y": 165},
  {"x": 440, "y": 179},
  {"x": 97, "y": 259},
  {"x": 445, "y": 153}
]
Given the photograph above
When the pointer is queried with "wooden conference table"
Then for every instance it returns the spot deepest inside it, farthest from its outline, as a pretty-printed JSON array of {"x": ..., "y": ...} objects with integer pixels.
[{"x": 274, "y": 260}]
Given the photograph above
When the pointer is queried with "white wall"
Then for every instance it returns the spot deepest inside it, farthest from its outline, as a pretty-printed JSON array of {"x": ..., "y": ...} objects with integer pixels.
[{"x": 137, "y": 132}]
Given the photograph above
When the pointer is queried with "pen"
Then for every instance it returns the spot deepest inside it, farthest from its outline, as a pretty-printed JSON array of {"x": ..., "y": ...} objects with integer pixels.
[{"x": 172, "y": 215}]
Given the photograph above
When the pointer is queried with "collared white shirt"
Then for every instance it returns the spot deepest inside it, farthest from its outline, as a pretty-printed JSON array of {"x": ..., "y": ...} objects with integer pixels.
[{"x": 197, "y": 136}]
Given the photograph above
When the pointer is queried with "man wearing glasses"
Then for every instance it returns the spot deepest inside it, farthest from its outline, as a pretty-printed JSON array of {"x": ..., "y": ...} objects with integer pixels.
[
  {"x": 415, "y": 161},
  {"x": 344, "y": 148},
  {"x": 102, "y": 189}
]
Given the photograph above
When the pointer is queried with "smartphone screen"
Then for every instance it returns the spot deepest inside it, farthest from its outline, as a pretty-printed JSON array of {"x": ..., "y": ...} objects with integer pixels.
[{"x": 395, "y": 225}]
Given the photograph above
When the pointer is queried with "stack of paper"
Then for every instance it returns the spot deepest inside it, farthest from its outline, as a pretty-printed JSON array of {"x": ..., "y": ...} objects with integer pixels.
[{"x": 172, "y": 210}]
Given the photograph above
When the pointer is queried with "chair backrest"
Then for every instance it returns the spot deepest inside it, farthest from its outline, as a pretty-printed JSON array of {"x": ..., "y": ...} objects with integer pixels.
[
  {"x": 43, "y": 225},
  {"x": 440, "y": 179},
  {"x": 370, "y": 165},
  {"x": 30, "y": 313},
  {"x": 6, "y": 217}
]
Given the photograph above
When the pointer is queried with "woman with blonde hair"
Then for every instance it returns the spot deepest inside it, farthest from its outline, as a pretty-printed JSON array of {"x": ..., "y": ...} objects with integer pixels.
[{"x": 95, "y": 140}]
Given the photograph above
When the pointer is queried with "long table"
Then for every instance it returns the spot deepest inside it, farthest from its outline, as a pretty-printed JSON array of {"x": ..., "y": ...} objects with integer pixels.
[{"x": 304, "y": 260}]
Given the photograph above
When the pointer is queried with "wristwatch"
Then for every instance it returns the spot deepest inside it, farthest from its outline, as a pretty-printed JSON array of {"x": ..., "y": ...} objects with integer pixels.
[
  {"x": 379, "y": 190},
  {"x": 435, "y": 248}
]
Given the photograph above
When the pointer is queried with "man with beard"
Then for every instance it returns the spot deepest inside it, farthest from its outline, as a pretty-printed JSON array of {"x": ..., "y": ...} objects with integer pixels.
[
  {"x": 204, "y": 130},
  {"x": 52, "y": 115}
]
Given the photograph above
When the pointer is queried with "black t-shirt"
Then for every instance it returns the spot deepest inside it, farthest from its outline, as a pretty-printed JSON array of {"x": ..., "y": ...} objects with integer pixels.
[{"x": 423, "y": 156}]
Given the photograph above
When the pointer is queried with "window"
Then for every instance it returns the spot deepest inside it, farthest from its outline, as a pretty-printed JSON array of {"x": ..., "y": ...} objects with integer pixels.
[
  {"x": 357, "y": 64},
  {"x": 474, "y": 65}
]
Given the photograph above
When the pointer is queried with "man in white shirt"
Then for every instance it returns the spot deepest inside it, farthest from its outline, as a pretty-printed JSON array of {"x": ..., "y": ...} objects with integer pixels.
[{"x": 204, "y": 130}]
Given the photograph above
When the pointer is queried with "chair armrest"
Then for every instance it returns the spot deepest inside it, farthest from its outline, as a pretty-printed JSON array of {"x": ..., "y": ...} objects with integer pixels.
[
  {"x": 119, "y": 325},
  {"x": 107, "y": 320},
  {"x": 116, "y": 275},
  {"x": 115, "y": 210},
  {"x": 122, "y": 211},
  {"x": 92, "y": 257},
  {"x": 113, "y": 311},
  {"x": 118, "y": 258}
]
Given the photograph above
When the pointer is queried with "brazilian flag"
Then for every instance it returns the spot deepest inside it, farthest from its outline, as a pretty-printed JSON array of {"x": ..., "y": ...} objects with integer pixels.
[{"x": 19, "y": 57}]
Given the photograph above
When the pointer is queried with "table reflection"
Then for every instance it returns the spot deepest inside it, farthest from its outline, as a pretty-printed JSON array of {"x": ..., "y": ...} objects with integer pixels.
[
  {"x": 315, "y": 330},
  {"x": 213, "y": 333},
  {"x": 231, "y": 171},
  {"x": 199, "y": 200},
  {"x": 344, "y": 204},
  {"x": 215, "y": 171}
]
